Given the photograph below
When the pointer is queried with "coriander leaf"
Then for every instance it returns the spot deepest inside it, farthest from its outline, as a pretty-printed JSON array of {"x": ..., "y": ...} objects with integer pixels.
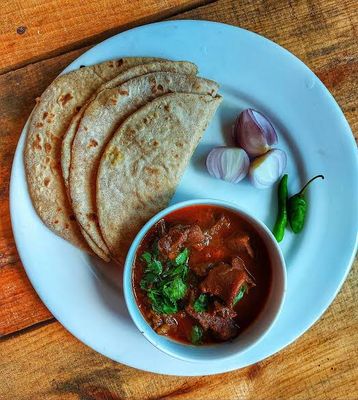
[
  {"x": 180, "y": 270},
  {"x": 155, "y": 267},
  {"x": 201, "y": 303},
  {"x": 175, "y": 290},
  {"x": 169, "y": 308},
  {"x": 240, "y": 294},
  {"x": 160, "y": 304},
  {"x": 148, "y": 280},
  {"x": 182, "y": 257},
  {"x": 147, "y": 257},
  {"x": 196, "y": 334}
]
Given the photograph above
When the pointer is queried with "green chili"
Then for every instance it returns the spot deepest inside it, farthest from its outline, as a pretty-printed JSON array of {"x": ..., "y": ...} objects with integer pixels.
[
  {"x": 297, "y": 207},
  {"x": 281, "y": 220}
]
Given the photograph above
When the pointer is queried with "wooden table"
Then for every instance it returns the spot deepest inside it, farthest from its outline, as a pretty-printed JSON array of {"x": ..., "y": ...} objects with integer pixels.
[{"x": 39, "y": 359}]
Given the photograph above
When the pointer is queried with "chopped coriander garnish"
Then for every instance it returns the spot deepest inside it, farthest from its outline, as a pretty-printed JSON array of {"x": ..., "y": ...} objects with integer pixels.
[
  {"x": 201, "y": 303},
  {"x": 182, "y": 257},
  {"x": 165, "y": 284},
  {"x": 196, "y": 334},
  {"x": 240, "y": 294}
]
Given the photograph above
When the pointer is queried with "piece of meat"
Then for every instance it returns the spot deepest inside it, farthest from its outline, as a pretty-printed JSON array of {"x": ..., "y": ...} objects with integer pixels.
[
  {"x": 241, "y": 242},
  {"x": 219, "y": 321},
  {"x": 161, "y": 227},
  {"x": 225, "y": 280},
  {"x": 201, "y": 269},
  {"x": 155, "y": 320},
  {"x": 180, "y": 236},
  {"x": 220, "y": 226}
]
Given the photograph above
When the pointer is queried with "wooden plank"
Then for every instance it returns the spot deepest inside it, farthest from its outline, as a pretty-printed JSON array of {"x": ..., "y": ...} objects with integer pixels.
[
  {"x": 31, "y": 30},
  {"x": 320, "y": 365},
  {"x": 20, "y": 306}
]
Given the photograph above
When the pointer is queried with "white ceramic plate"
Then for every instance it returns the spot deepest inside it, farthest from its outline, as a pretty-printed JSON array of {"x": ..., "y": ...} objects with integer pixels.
[{"x": 85, "y": 295}]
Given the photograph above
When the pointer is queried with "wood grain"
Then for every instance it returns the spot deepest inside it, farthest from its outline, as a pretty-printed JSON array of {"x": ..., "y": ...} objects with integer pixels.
[
  {"x": 31, "y": 30},
  {"x": 320, "y": 365}
]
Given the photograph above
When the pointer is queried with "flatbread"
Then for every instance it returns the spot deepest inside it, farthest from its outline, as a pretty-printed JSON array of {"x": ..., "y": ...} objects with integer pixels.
[
  {"x": 183, "y": 67},
  {"x": 100, "y": 119},
  {"x": 144, "y": 161},
  {"x": 49, "y": 121}
]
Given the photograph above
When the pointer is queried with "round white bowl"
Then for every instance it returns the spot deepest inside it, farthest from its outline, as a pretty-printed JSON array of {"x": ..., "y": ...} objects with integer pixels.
[{"x": 251, "y": 335}]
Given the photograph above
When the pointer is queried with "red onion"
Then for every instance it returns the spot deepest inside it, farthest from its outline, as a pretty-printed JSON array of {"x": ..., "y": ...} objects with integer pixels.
[
  {"x": 267, "y": 169},
  {"x": 254, "y": 133},
  {"x": 228, "y": 163}
]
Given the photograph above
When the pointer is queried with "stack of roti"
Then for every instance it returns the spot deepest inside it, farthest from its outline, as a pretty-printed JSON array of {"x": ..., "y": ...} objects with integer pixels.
[{"x": 107, "y": 145}]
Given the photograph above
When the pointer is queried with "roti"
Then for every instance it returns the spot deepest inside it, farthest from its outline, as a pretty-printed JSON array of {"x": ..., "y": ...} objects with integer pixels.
[
  {"x": 102, "y": 116},
  {"x": 49, "y": 122},
  {"x": 183, "y": 67},
  {"x": 144, "y": 161}
]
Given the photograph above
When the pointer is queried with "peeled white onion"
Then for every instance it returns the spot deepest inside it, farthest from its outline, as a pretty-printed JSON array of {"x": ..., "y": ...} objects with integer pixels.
[
  {"x": 228, "y": 163},
  {"x": 254, "y": 133},
  {"x": 267, "y": 169}
]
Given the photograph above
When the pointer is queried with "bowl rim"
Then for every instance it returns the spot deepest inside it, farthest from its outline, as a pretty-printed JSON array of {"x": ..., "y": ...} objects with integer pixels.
[{"x": 144, "y": 327}]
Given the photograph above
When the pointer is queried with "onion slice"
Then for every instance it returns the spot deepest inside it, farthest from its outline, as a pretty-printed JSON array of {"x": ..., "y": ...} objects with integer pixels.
[
  {"x": 228, "y": 163},
  {"x": 267, "y": 169},
  {"x": 254, "y": 133}
]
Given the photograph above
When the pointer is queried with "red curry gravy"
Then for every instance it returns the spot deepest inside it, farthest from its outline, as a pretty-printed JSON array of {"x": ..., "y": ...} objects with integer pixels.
[{"x": 226, "y": 255}]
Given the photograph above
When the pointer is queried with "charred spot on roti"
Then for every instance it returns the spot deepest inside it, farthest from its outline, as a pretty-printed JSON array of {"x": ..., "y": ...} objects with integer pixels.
[
  {"x": 36, "y": 144},
  {"x": 64, "y": 99},
  {"x": 44, "y": 115},
  {"x": 123, "y": 92},
  {"x": 47, "y": 181},
  {"x": 155, "y": 143},
  {"x": 166, "y": 107},
  {"x": 152, "y": 170},
  {"x": 93, "y": 143},
  {"x": 92, "y": 217},
  {"x": 55, "y": 221},
  {"x": 66, "y": 225},
  {"x": 47, "y": 160},
  {"x": 179, "y": 144},
  {"x": 72, "y": 217},
  {"x": 78, "y": 108},
  {"x": 39, "y": 124},
  {"x": 50, "y": 117},
  {"x": 112, "y": 100},
  {"x": 120, "y": 62},
  {"x": 48, "y": 147},
  {"x": 59, "y": 208}
]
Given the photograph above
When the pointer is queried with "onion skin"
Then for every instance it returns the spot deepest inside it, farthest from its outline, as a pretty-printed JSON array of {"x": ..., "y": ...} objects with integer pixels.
[
  {"x": 254, "y": 133},
  {"x": 268, "y": 168},
  {"x": 230, "y": 164}
]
